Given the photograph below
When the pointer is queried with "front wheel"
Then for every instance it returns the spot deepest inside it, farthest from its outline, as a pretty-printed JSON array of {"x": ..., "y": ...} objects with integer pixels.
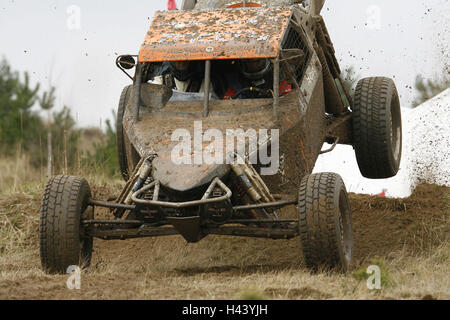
[
  {"x": 325, "y": 222},
  {"x": 62, "y": 240}
]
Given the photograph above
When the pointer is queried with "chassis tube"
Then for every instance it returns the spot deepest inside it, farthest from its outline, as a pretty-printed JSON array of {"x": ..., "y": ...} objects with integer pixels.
[
  {"x": 137, "y": 91},
  {"x": 207, "y": 87},
  {"x": 276, "y": 87},
  {"x": 202, "y": 201}
]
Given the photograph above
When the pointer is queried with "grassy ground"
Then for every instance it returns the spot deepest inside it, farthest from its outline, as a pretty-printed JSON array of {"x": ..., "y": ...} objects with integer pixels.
[{"x": 408, "y": 239}]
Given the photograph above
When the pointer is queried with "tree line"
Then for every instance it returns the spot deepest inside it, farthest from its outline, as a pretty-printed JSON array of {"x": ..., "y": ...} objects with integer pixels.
[{"x": 53, "y": 138}]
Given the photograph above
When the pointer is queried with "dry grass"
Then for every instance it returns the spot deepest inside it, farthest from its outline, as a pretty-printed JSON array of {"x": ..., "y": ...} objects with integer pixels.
[
  {"x": 199, "y": 273},
  {"x": 216, "y": 267},
  {"x": 17, "y": 175}
]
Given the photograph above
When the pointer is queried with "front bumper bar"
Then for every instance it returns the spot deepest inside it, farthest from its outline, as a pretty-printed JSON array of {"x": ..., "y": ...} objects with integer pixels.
[{"x": 204, "y": 200}]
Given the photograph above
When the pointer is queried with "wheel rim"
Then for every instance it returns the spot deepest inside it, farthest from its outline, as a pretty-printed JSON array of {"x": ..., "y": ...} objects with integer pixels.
[{"x": 345, "y": 236}]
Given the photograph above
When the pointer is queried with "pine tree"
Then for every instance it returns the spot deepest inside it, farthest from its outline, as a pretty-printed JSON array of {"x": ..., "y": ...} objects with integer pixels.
[
  {"x": 47, "y": 102},
  {"x": 19, "y": 125}
]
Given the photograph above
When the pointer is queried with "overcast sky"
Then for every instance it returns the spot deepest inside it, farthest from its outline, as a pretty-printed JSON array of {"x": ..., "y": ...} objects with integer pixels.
[{"x": 74, "y": 43}]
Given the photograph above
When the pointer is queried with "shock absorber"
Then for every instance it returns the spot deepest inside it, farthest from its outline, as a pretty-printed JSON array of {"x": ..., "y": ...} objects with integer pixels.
[
  {"x": 245, "y": 182},
  {"x": 254, "y": 186},
  {"x": 144, "y": 173}
]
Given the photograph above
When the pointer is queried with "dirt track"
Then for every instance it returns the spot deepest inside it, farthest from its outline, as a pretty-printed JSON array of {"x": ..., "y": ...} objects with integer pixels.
[{"x": 410, "y": 237}]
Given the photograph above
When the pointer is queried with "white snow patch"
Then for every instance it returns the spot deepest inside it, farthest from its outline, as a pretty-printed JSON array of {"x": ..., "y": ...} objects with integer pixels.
[{"x": 425, "y": 157}]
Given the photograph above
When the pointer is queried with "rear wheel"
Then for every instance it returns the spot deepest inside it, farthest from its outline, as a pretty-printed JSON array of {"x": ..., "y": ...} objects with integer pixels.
[
  {"x": 377, "y": 128},
  {"x": 62, "y": 239},
  {"x": 325, "y": 222}
]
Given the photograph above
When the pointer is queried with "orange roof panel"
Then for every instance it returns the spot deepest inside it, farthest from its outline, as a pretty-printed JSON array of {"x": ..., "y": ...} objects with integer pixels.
[{"x": 215, "y": 34}]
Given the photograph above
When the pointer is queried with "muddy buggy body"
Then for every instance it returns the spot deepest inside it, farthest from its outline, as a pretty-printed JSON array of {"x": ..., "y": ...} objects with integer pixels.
[{"x": 305, "y": 106}]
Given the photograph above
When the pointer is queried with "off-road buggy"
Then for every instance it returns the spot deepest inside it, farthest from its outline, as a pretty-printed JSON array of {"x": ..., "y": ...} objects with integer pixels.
[{"x": 306, "y": 101}]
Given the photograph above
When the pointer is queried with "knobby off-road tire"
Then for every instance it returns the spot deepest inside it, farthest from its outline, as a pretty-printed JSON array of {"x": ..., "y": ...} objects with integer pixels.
[
  {"x": 64, "y": 202},
  {"x": 377, "y": 128},
  {"x": 325, "y": 222}
]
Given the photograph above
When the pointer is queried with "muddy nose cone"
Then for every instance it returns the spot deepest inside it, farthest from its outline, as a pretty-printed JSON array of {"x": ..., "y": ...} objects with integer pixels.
[{"x": 184, "y": 177}]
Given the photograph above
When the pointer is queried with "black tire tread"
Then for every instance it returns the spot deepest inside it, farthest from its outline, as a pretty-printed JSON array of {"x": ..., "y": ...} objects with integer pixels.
[
  {"x": 317, "y": 221},
  {"x": 371, "y": 127},
  {"x": 62, "y": 203}
]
